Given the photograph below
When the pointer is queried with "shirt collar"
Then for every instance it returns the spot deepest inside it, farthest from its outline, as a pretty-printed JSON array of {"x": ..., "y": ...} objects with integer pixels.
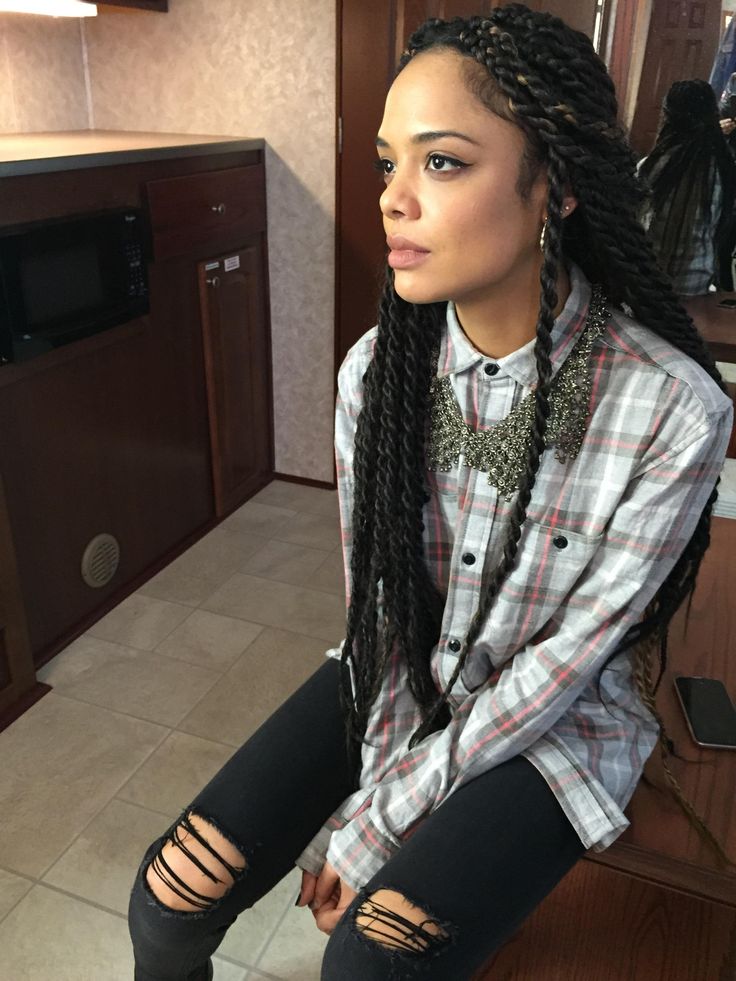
[{"x": 458, "y": 354}]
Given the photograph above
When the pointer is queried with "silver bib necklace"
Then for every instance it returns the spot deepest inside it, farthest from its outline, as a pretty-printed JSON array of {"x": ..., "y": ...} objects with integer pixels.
[{"x": 501, "y": 452}]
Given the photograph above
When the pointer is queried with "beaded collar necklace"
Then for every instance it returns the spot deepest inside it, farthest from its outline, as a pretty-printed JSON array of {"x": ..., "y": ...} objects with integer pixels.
[{"x": 501, "y": 451}]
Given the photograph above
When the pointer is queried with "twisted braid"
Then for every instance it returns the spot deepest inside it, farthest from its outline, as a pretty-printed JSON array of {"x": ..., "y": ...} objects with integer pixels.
[{"x": 533, "y": 70}]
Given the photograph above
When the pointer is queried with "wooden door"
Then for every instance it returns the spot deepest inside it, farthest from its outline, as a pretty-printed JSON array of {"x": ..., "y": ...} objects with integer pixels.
[
  {"x": 370, "y": 41},
  {"x": 234, "y": 331},
  {"x": 682, "y": 43}
]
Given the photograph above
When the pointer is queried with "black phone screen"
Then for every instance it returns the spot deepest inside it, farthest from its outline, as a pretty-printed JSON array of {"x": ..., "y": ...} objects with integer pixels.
[{"x": 710, "y": 713}]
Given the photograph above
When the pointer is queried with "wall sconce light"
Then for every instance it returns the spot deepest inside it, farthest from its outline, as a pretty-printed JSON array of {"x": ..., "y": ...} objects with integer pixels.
[{"x": 53, "y": 8}]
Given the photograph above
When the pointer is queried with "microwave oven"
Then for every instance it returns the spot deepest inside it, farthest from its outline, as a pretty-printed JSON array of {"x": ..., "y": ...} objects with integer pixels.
[{"x": 64, "y": 279}]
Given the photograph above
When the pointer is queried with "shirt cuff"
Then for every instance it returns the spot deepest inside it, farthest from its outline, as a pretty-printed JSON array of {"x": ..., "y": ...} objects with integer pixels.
[{"x": 358, "y": 851}]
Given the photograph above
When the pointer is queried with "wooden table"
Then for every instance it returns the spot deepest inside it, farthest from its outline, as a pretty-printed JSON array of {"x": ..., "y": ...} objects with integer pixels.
[
  {"x": 716, "y": 324},
  {"x": 656, "y": 905}
]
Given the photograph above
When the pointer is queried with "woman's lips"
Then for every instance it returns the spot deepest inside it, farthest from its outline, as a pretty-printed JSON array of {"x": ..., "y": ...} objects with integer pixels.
[{"x": 405, "y": 254}]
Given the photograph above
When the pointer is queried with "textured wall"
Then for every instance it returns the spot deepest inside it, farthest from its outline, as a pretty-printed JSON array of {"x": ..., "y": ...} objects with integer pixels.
[
  {"x": 254, "y": 68},
  {"x": 41, "y": 75}
]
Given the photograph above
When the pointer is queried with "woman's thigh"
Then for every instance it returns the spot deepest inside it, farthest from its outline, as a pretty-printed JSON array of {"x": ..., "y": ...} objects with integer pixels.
[{"x": 477, "y": 867}]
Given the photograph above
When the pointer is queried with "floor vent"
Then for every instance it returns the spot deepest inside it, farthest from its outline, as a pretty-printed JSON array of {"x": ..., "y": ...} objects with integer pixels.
[{"x": 100, "y": 560}]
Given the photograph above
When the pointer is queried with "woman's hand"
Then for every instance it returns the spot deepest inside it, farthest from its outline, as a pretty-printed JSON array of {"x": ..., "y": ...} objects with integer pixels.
[
  {"x": 327, "y": 896},
  {"x": 728, "y": 126}
]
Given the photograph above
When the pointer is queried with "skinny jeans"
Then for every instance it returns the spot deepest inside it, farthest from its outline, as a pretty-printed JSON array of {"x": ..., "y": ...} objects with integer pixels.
[{"x": 478, "y": 865}]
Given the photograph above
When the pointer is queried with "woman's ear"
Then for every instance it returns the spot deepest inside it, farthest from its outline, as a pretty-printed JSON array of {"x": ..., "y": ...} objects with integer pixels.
[{"x": 569, "y": 204}]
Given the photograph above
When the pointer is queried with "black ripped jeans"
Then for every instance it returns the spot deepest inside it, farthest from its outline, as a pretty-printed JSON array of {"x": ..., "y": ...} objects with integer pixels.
[{"x": 478, "y": 865}]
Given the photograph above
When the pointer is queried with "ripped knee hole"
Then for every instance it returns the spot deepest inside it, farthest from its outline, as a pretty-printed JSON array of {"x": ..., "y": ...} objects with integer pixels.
[
  {"x": 392, "y": 920},
  {"x": 196, "y": 866}
]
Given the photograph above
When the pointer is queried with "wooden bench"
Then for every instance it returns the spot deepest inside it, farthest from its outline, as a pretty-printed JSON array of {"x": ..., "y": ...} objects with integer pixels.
[{"x": 656, "y": 905}]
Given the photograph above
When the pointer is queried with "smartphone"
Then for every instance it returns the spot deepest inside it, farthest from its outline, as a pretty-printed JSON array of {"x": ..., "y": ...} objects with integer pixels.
[
  {"x": 727, "y": 304},
  {"x": 709, "y": 712}
]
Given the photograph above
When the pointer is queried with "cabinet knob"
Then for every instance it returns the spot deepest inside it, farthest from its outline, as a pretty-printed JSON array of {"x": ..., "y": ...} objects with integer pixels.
[
  {"x": 219, "y": 208},
  {"x": 213, "y": 281}
]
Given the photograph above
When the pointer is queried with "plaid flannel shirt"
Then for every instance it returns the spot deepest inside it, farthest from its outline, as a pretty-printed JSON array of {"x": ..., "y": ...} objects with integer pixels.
[{"x": 601, "y": 535}]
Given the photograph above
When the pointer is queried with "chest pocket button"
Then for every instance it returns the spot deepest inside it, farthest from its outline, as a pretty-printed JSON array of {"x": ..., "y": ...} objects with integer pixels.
[{"x": 560, "y": 542}]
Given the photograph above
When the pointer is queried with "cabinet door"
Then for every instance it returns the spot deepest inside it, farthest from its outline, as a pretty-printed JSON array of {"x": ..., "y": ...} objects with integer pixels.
[
  {"x": 238, "y": 372},
  {"x": 17, "y": 673}
]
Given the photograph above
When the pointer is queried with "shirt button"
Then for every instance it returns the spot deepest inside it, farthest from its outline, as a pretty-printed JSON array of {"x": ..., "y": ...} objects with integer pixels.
[
  {"x": 454, "y": 646},
  {"x": 469, "y": 558},
  {"x": 560, "y": 542},
  {"x": 491, "y": 368}
]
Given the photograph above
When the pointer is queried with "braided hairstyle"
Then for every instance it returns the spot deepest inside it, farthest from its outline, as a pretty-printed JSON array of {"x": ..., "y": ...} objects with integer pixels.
[
  {"x": 534, "y": 70},
  {"x": 689, "y": 162}
]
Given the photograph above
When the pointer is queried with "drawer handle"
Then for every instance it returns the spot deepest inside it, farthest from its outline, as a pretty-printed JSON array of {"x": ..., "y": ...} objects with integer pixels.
[
  {"x": 219, "y": 208},
  {"x": 213, "y": 281}
]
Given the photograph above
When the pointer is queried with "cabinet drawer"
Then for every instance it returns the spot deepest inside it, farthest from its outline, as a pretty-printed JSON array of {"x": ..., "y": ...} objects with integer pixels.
[{"x": 206, "y": 210}]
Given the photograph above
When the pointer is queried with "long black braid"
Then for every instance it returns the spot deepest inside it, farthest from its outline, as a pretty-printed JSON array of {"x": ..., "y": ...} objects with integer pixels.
[{"x": 532, "y": 69}]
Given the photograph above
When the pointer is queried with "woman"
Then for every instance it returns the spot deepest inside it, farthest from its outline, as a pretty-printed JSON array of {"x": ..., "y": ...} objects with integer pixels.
[
  {"x": 692, "y": 178},
  {"x": 527, "y": 474}
]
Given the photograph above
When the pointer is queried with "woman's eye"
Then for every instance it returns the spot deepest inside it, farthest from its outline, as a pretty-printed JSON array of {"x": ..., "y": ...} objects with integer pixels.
[
  {"x": 441, "y": 164},
  {"x": 384, "y": 167}
]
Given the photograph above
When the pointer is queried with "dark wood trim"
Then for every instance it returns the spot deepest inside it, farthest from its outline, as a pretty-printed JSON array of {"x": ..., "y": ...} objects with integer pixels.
[
  {"x": 22, "y": 704},
  {"x": 685, "y": 877},
  {"x": 307, "y": 481},
  {"x": 160, "y": 6}
]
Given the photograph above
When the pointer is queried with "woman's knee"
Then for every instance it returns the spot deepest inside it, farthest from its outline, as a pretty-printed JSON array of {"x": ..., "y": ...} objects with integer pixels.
[
  {"x": 196, "y": 866},
  {"x": 383, "y": 928}
]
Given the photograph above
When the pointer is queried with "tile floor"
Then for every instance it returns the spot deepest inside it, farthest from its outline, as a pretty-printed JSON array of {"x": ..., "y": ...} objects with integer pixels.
[{"x": 145, "y": 707}]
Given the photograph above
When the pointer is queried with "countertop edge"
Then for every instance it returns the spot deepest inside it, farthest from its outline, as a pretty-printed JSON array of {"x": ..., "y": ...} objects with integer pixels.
[{"x": 110, "y": 158}]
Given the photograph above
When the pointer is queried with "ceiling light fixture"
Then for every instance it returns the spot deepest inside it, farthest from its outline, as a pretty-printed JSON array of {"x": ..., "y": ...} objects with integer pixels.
[{"x": 52, "y": 8}]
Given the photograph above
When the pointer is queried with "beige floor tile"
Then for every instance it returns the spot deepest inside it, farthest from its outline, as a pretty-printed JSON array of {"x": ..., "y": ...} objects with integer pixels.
[
  {"x": 285, "y": 562},
  {"x": 305, "y": 611},
  {"x": 140, "y": 683},
  {"x": 173, "y": 775},
  {"x": 140, "y": 621},
  {"x": 191, "y": 577},
  {"x": 299, "y": 497},
  {"x": 246, "y": 939},
  {"x": 274, "y": 665},
  {"x": 52, "y": 937},
  {"x": 62, "y": 762},
  {"x": 224, "y": 971},
  {"x": 101, "y": 864},
  {"x": 310, "y": 530},
  {"x": 330, "y": 576},
  {"x": 258, "y": 519},
  {"x": 210, "y": 640},
  {"x": 12, "y": 889},
  {"x": 296, "y": 951}
]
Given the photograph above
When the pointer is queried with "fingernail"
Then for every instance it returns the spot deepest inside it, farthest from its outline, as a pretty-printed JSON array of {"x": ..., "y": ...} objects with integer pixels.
[{"x": 314, "y": 906}]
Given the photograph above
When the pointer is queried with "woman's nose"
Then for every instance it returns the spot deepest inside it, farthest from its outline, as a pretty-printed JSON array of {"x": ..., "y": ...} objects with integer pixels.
[{"x": 399, "y": 199}]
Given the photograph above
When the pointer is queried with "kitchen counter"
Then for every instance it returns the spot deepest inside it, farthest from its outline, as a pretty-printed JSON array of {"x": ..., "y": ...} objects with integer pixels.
[{"x": 38, "y": 153}]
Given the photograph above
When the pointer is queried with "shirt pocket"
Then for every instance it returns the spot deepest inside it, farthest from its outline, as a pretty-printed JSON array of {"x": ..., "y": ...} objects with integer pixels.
[{"x": 549, "y": 561}]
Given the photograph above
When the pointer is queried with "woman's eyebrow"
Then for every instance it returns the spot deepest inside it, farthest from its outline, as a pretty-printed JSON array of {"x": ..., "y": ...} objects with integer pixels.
[{"x": 430, "y": 135}]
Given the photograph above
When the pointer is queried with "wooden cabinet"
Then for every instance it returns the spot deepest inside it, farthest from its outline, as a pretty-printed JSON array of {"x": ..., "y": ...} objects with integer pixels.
[
  {"x": 152, "y": 430},
  {"x": 237, "y": 363},
  {"x": 209, "y": 229}
]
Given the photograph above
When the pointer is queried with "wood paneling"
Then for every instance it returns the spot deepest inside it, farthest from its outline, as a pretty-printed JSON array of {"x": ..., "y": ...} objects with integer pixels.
[{"x": 601, "y": 925}]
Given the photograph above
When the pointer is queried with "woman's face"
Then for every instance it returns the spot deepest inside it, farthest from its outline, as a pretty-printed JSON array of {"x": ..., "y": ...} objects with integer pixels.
[{"x": 454, "y": 220}]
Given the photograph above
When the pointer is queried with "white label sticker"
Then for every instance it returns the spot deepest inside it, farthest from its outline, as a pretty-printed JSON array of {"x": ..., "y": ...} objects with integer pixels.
[
  {"x": 232, "y": 263},
  {"x": 212, "y": 265}
]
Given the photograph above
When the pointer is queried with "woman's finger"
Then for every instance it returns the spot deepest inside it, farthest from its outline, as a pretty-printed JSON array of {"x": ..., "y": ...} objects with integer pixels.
[{"x": 306, "y": 894}]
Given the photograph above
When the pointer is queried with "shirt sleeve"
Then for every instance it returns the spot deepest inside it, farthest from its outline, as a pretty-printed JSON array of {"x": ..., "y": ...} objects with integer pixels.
[{"x": 519, "y": 703}]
